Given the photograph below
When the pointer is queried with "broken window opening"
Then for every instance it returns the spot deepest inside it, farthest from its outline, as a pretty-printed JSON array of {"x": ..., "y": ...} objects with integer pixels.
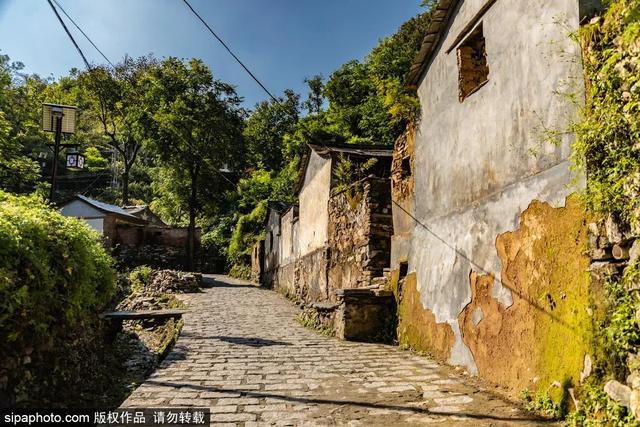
[
  {"x": 404, "y": 269},
  {"x": 473, "y": 70},
  {"x": 406, "y": 167}
]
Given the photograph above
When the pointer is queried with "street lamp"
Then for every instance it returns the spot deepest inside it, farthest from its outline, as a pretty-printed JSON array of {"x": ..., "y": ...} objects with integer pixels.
[
  {"x": 75, "y": 160},
  {"x": 60, "y": 119}
]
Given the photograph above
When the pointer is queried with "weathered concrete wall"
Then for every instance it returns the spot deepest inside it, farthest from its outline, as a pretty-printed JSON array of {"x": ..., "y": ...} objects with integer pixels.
[
  {"x": 314, "y": 197},
  {"x": 272, "y": 241},
  {"x": 284, "y": 279},
  {"x": 288, "y": 250},
  {"x": 310, "y": 277},
  {"x": 545, "y": 267},
  {"x": 523, "y": 345},
  {"x": 477, "y": 165}
]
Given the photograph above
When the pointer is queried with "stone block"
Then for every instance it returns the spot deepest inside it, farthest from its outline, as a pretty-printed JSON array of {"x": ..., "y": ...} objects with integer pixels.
[{"x": 364, "y": 316}]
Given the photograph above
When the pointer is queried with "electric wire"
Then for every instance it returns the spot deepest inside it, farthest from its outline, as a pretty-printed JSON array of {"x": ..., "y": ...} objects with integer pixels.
[
  {"x": 83, "y": 33},
  {"x": 230, "y": 51},
  {"x": 211, "y": 167},
  {"x": 84, "y": 58}
]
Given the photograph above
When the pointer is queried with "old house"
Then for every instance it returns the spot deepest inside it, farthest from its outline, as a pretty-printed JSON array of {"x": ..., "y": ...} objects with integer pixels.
[
  {"x": 138, "y": 234},
  {"x": 488, "y": 249},
  {"x": 265, "y": 258},
  {"x": 102, "y": 217},
  {"x": 338, "y": 234},
  {"x": 144, "y": 212}
]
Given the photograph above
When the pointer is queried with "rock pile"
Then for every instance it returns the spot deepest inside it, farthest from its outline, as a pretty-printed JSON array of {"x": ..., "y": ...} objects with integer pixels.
[
  {"x": 172, "y": 281},
  {"x": 153, "y": 295}
]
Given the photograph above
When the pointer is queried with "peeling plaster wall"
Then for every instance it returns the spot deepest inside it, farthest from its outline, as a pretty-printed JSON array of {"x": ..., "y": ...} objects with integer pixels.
[
  {"x": 480, "y": 163},
  {"x": 288, "y": 250},
  {"x": 545, "y": 266}
]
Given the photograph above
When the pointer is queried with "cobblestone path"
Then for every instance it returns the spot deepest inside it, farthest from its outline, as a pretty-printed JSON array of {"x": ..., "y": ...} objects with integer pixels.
[{"x": 243, "y": 354}]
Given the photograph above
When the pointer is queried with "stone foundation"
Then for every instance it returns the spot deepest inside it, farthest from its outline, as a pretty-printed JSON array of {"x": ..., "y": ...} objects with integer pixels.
[{"x": 365, "y": 315}]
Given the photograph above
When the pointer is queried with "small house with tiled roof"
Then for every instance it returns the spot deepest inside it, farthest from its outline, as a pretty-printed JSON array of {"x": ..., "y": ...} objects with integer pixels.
[{"x": 101, "y": 216}]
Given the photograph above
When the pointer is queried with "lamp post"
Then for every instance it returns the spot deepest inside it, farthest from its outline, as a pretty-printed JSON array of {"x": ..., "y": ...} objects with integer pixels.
[{"x": 60, "y": 119}]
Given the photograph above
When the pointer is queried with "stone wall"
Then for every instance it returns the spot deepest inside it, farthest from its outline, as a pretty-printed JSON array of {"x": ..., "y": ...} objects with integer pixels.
[
  {"x": 360, "y": 229},
  {"x": 136, "y": 235},
  {"x": 310, "y": 276},
  {"x": 283, "y": 279},
  {"x": 365, "y": 315},
  {"x": 614, "y": 250},
  {"x": 358, "y": 249},
  {"x": 402, "y": 183},
  {"x": 155, "y": 256},
  {"x": 158, "y": 247}
]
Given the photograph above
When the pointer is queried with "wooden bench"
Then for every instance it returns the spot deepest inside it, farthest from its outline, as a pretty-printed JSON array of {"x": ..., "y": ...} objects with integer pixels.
[{"x": 117, "y": 317}]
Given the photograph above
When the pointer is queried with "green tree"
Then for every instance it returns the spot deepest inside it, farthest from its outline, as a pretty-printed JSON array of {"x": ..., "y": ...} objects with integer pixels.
[
  {"x": 315, "y": 99},
  {"x": 18, "y": 172},
  {"x": 368, "y": 100},
  {"x": 119, "y": 109},
  {"x": 197, "y": 120},
  {"x": 266, "y": 128}
]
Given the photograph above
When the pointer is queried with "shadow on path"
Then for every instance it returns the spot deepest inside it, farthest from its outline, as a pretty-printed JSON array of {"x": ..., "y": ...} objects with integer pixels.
[
  {"x": 213, "y": 281},
  {"x": 370, "y": 405},
  {"x": 248, "y": 341}
]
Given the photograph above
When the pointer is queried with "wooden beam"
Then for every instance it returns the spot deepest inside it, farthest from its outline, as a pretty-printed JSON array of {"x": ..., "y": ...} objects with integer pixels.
[{"x": 471, "y": 25}]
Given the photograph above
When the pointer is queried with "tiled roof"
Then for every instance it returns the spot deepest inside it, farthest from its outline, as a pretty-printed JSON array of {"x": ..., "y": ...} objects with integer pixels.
[
  {"x": 107, "y": 208},
  {"x": 441, "y": 15},
  {"x": 356, "y": 149}
]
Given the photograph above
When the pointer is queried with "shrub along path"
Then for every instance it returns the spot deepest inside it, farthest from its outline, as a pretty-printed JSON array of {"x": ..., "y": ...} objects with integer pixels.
[{"x": 243, "y": 354}]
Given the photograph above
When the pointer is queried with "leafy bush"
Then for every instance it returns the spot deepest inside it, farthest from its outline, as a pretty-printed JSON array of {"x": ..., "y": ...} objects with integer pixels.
[
  {"x": 248, "y": 230},
  {"x": 608, "y": 142},
  {"x": 55, "y": 277},
  {"x": 543, "y": 404},
  {"x": 607, "y": 148},
  {"x": 140, "y": 277},
  {"x": 240, "y": 271}
]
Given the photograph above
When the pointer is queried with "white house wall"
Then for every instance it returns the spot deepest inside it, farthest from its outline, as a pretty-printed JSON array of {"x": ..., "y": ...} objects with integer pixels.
[
  {"x": 314, "y": 199},
  {"x": 479, "y": 163}
]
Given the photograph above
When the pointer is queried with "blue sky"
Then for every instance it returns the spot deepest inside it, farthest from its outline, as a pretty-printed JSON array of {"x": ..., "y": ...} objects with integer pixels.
[{"x": 281, "y": 41}]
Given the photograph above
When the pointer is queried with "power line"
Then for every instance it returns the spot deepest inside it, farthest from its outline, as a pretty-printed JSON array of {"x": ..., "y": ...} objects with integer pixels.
[
  {"x": 230, "y": 51},
  {"x": 178, "y": 134},
  {"x": 83, "y": 33},
  {"x": 69, "y": 34}
]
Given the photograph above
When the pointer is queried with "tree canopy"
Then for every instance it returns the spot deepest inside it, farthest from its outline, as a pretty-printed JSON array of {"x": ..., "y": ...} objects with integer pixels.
[{"x": 169, "y": 134}]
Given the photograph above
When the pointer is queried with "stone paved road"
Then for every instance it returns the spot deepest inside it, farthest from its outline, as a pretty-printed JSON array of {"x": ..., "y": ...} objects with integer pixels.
[{"x": 243, "y": 354}]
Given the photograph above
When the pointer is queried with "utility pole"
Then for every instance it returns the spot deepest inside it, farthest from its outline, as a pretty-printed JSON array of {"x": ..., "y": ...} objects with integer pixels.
[{"x": 56, "y": 155}]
